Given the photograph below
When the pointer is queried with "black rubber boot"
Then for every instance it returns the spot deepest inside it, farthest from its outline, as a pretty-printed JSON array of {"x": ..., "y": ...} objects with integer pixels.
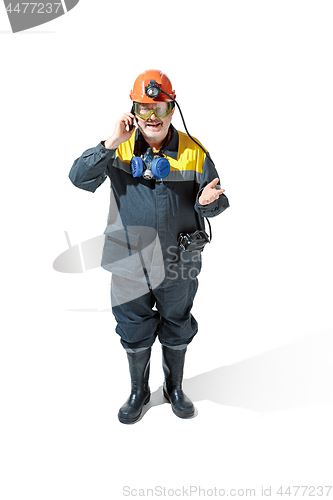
[
  {"x": 139, "y": 364},
  {"x": 173, "y": 367}
]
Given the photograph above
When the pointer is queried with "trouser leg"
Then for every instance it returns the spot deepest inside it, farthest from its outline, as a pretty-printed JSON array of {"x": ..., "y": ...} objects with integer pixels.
[
  {"x": 177, "y": 324},
  {"x": 137, "y": 321}
]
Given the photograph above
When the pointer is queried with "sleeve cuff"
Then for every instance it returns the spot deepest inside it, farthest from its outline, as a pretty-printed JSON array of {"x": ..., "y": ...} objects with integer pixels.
[
  {"x": 102, "y": 151},
  {"x": 214, "y": 208}
]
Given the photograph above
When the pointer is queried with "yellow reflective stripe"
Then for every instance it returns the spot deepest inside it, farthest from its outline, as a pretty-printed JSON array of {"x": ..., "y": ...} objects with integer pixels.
[
  {"x": 125, "y": 150},
  {"x": 190, "y": 156}
]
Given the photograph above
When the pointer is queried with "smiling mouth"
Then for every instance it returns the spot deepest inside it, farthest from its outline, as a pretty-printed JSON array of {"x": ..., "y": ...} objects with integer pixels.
[{"x": 154, "y": 125}]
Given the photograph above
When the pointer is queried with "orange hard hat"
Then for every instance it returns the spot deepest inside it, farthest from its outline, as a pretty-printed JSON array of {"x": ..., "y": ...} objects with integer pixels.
[{"x": 138, "y": 93}]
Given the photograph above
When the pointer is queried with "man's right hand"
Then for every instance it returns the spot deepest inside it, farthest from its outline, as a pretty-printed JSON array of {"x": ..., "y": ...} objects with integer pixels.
[{"x": 120, "y": 134}]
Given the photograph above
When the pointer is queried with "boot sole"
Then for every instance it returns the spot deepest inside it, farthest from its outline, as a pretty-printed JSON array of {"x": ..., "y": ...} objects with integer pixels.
[
  {"x": 124, "y": 420},
  {"x": 180, "y": 415}
]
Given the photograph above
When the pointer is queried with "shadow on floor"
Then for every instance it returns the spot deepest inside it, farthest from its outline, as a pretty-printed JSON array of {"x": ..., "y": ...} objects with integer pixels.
[{"x": 293, "y": 376}]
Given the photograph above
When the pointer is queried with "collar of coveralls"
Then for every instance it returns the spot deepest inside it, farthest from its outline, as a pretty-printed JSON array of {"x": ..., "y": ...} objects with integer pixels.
[{"x": 171, "y": 148}]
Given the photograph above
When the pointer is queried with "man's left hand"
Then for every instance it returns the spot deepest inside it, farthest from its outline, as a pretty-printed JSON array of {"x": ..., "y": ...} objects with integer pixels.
[{"x": 209, "y": 193}]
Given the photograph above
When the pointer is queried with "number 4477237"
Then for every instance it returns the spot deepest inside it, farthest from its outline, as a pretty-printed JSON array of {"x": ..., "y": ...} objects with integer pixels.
[{"x": 31, "y": 7}]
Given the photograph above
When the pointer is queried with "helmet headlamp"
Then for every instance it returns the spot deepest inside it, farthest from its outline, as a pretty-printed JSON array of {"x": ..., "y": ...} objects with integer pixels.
[{"x": 152, "y": 90}]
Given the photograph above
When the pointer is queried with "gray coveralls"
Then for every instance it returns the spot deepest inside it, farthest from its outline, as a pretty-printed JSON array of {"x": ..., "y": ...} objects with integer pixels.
[{"x": 153, "y": 282}]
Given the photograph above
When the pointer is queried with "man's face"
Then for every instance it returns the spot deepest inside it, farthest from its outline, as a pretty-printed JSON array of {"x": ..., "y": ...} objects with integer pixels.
[{"x": 154, "y": 128}]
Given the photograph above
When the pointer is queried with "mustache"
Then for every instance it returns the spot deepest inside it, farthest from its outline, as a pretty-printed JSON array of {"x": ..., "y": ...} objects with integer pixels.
[{"x": 153, "y": 122}]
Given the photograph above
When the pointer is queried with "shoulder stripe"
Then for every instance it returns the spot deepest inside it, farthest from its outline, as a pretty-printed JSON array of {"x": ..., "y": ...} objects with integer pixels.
[{"x": 190, "y": 158}]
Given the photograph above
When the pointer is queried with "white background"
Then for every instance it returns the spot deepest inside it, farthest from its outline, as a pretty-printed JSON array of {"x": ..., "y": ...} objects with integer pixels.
[{"x": 254, "y": 80}]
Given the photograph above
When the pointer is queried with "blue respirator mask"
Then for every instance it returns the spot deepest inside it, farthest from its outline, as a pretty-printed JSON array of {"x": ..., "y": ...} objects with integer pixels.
[{"x": 150, "y": 165}]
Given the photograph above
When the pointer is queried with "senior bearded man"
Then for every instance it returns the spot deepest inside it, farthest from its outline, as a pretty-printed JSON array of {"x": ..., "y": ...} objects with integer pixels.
[{"x": 164, "y": 182}]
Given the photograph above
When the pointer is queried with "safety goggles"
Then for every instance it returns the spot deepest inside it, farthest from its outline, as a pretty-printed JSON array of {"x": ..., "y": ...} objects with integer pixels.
[{"x": 160, "y": 109}]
